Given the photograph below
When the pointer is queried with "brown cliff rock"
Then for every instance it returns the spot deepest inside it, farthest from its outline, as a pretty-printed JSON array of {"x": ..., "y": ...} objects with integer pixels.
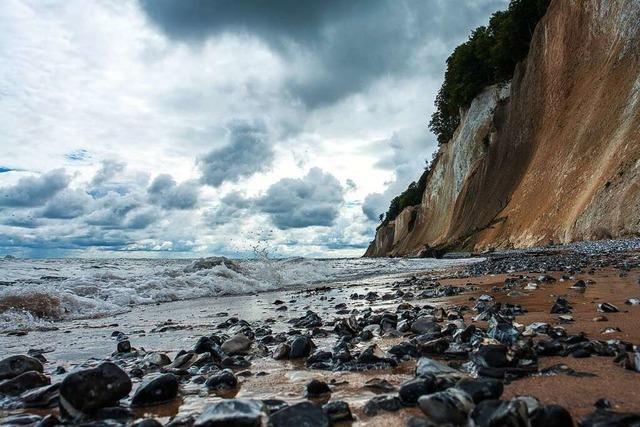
[{"x": 554, "y": 156}]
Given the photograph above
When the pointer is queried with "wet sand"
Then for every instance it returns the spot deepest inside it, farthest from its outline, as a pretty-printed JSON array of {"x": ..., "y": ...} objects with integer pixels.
[{"x": 171, "y": 327}]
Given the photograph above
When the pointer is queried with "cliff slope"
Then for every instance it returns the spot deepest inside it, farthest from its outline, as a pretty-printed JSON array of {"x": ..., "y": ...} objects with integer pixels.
[{"x": 553, "y": 156}]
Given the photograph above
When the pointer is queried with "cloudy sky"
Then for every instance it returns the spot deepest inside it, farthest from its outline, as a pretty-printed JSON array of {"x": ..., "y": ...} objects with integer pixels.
[{"x": 215, "y": 127}]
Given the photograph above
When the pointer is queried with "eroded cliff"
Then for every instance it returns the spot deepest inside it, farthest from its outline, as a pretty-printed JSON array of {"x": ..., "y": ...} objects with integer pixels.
[{"x": 554, "y": 156}]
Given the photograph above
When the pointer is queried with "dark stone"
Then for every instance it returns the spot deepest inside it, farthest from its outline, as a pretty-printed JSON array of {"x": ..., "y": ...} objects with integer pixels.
[
  {"x": 281, "y": 351},
  {"x": 23, "y": 382},
  {"x": 379, "y": 385},
  {"x": 20, "y": 420},
  {"x": 561, "y": 306},
  {"x": 425, "y": 325},
  {"x": 91, "y": 389},
  {"x": 434, "y": 347},
  {"x": 49, "y": 421},
  {"x": 481, "y": 388},
  {"x": 491, "y": 356},
  {"x": 411, "y": 390},
  {"x": 147, "y": 422},
  {"x": 490, "y": 413},
  {"x": 238, "y": 344},
  {"x": 157, "y": 390},
  {"x": 604, "y": 418},
  {"x": 581, "y": 353},
  {"x": 602, "y": 404},
  {"x": 605, "y": 307},
  {"x": 317, "y": 388},
  {"x": 304, "y": 414},
  {"x": 404, "y": 349},
  {"x": 419, "y": 422},
  {"x": 43, "y": 397},
  {"x": 385, "y": 403},
  {"x": 337, "y": 411},
  {"x": 124, "y": 346},
  {"x": 429, "y": 367},
  {"x": 232, "y": 413},
  {"x": 274, "y": 405},
  {"x": 223, "y": 380},
  {"x": 13, "y": 366},
  {"x": 300, "y": 347},
  {"x": 136, "y": 373},
  {"x": 203, "y": 345},
  {"x": 181, "y": 421},
  {"x": 450, "y": 406},
  {"x": 319, "y": 356},
  {"x": 551, "y": 416}
]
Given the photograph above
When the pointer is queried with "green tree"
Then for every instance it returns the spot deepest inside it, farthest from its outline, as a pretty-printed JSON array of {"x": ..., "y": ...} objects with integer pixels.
[{"x": 489, "y": 56}]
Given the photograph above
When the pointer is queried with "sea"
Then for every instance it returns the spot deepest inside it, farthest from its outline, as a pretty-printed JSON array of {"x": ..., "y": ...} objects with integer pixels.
[{"x": 36, "y": 292}]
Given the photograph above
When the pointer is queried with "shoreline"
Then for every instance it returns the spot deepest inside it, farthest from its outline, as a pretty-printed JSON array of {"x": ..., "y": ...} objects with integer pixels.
[{"x": 80, "y": 344}]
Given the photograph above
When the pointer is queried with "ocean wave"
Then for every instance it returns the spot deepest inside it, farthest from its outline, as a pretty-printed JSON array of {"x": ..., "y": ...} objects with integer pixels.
[{"x": 38, "y": 292}]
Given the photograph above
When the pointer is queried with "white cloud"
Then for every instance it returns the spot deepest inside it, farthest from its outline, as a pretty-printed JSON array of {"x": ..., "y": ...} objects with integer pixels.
[{"x": 138, "y": 119}]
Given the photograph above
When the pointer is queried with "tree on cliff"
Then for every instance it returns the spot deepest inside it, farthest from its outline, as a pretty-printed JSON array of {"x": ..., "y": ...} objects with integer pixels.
[{"x": 488, "y": 57}]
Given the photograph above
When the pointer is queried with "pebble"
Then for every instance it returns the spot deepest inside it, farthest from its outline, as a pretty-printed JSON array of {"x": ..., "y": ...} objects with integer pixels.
[
  {"x": 160, "y": 389},
  {"x": 387, "y": 403},
  {"x": 232, "y": 413},
  {"x": 304, "y": 414},
  {"x": 238, "y": 344},
  {"x": 300, "y": 347},
  {"x": 88, "y": 390},
  {"x": 317, "y": 388},
  {"x": 223, "y": 380},
  {"x": 490, "y": 413},
  {"x": 23, "y": 382},
  {"x": 450, "y": 406},
  {"x": 551, "y": 416},
  {"x": 605, "y": 307},
  {"x": 13, "y": 366},
  {"x": 337, "y": 412},
  {"x": 481, "y": 388},
  {"x": 413, "y": 389}
]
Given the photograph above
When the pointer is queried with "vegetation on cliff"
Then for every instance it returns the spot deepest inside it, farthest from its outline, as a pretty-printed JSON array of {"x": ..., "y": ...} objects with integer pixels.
[{"x": 489, "y": 56}]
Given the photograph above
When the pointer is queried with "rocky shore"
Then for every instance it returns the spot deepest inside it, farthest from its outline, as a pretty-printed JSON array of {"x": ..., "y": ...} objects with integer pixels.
[{"x": 535, "y": 338}]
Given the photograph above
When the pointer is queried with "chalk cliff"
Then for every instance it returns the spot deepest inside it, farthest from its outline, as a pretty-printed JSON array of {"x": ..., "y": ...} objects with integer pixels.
[{"x": 552, "y": 156}]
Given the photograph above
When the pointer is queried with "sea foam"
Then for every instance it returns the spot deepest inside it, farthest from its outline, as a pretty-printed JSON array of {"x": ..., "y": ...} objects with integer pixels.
[{"x": 35, "y": 293}]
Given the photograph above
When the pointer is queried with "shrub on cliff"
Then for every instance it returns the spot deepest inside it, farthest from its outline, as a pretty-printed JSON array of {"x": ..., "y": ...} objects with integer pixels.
[
  {"x": 488, "y": 57},
  {"x": 410, "y": 197}
]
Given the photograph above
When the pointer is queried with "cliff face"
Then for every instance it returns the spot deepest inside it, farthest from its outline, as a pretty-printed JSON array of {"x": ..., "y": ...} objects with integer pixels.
[{"x": 554, "y": 156}]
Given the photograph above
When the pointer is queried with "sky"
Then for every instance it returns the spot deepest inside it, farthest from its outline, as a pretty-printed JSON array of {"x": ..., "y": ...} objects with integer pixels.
[{"x": 190, "y": 128}]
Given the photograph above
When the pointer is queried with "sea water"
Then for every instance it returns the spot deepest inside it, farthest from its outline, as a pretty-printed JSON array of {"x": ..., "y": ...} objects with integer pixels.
[{"x": 36, "y": 292}]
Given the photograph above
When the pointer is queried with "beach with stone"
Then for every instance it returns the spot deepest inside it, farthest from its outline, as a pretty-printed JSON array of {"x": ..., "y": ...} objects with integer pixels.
[{"x": 542, "y": 337}]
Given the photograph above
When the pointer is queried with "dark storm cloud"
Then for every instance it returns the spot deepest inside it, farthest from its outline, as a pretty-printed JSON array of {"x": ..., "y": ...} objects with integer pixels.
[
  {"x": 67, "y": 204},
  {"x": 247, "y": 152},
  {"x": 314, "y": 199},
  {"x": 21, "y": 219},
  {"x": 111, "y": 210},
  {"x": 34, "y": 191},
  {"x": 350, "y": 43},
  {"x": 228, "y": 209},
  {"x": 141, "y": 218},
  {"x": 165, "y": 192},
  {"x": 374, "y": 205}
]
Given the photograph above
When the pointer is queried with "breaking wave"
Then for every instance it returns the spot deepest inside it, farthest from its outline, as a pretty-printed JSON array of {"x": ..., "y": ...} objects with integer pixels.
[{"x": 35, "y": 293}]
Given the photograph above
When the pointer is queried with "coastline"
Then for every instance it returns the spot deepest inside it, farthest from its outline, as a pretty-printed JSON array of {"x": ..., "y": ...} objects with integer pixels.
[{"x": 83, "y": 343}]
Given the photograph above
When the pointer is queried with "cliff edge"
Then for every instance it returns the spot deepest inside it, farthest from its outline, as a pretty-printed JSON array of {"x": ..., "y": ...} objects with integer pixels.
[{"x": 554, "y": 155}]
